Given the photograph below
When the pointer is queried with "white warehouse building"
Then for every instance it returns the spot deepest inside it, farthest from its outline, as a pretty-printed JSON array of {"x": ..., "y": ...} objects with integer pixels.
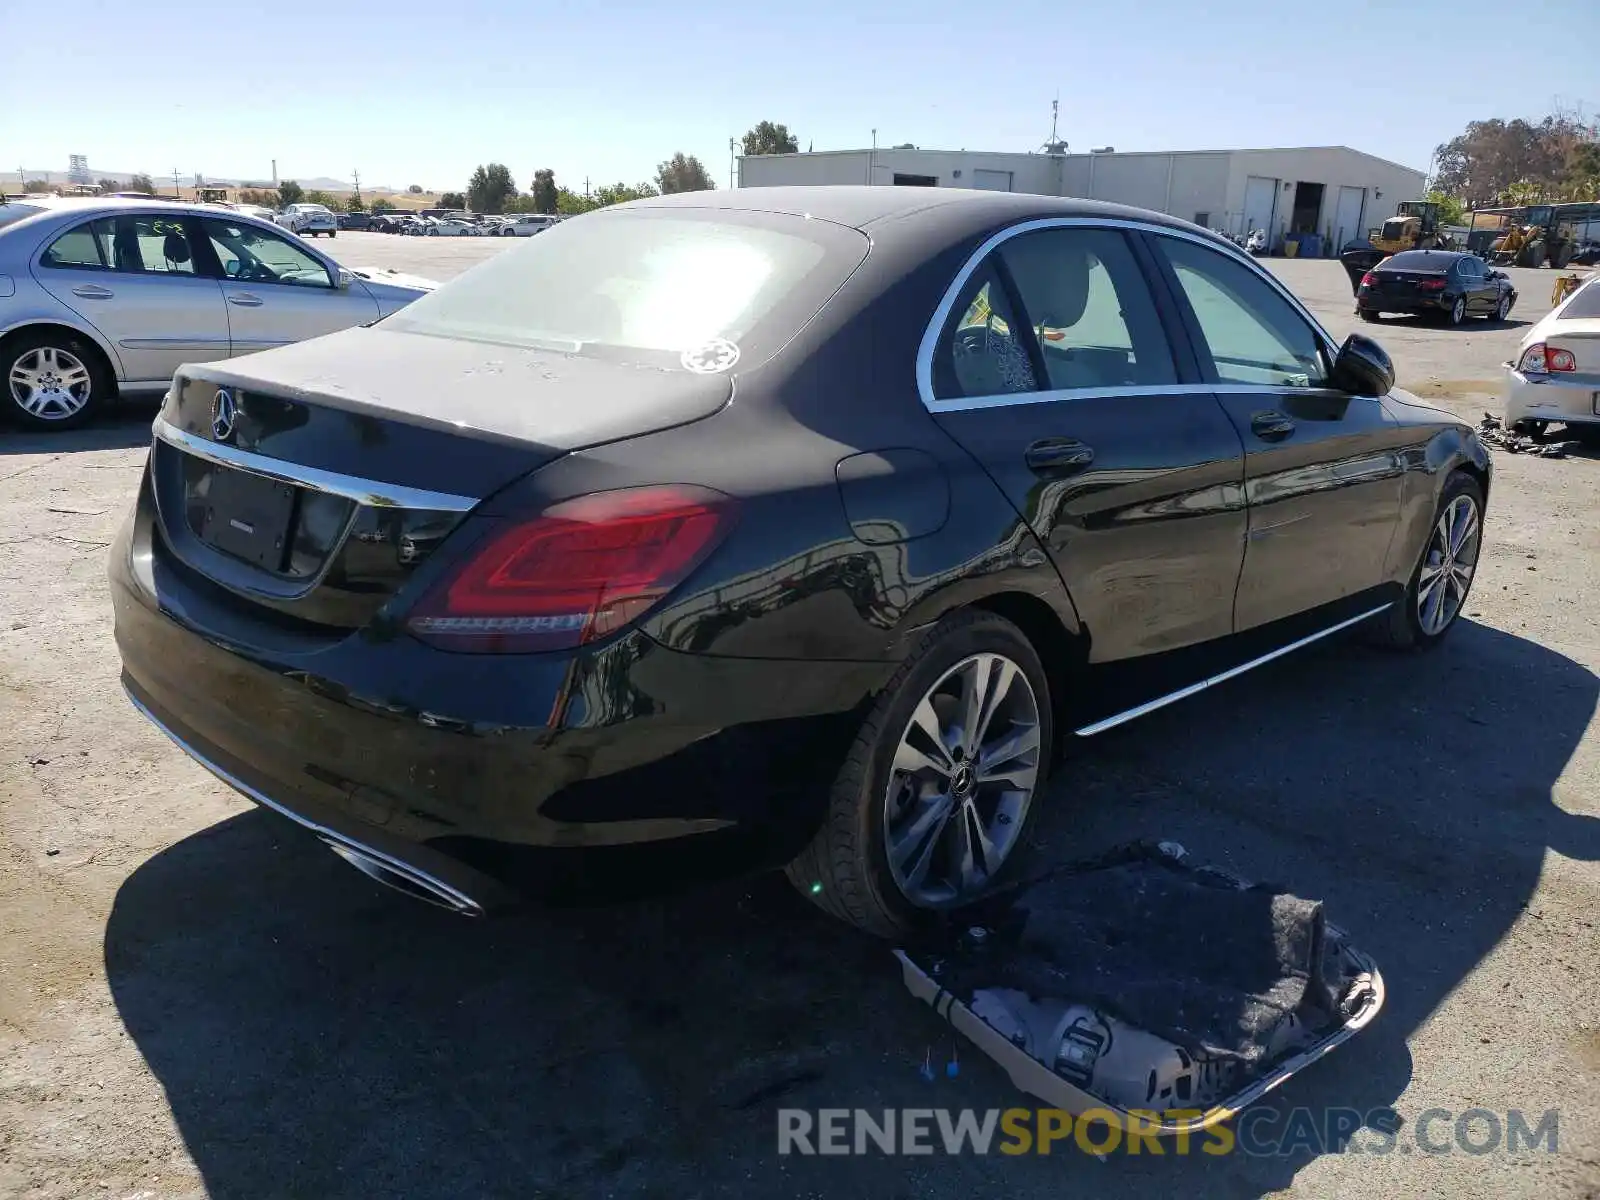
[{"x": 1333, "y": 191}]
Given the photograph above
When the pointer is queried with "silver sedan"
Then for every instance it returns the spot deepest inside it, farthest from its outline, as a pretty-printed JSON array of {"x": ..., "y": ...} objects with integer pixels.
[{"x": 110, "y": 296}]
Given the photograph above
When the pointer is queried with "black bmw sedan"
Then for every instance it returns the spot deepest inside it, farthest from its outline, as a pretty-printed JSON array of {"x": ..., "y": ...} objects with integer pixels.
[
  {"x": 822, "y": 517},
  {"x": 1444, "y": 283}
]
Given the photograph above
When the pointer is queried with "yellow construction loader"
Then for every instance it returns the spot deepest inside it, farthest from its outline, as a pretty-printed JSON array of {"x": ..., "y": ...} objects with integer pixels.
[{"x": 1414, "y": 226}]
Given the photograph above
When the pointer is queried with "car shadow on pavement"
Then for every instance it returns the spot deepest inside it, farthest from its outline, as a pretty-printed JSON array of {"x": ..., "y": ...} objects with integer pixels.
[
  {"x": 124, "y": 427},
  {"x": 317, "y": 1036}
]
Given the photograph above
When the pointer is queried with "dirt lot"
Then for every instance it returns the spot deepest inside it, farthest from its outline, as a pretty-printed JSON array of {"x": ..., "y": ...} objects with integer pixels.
[{"x": 195, "y": 999}]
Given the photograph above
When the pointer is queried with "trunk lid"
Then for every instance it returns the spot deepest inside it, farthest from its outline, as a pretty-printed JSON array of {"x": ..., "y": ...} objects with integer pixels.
[
  {"x": 1407, "y": 283},
  {"x": 313, "y": 480},
  {"x": 1580, "y": 335}
]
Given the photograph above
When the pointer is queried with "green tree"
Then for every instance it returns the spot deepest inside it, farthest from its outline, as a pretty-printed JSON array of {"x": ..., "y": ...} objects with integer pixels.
[
  {"x": 545, "y": 195},
  {"x": 1523, "y": 191},
  {"x": 1451, "y": 210},
  {"x": 767, "y": 138},
  {"x": 290, "y": 192},
  {"x": 683, "y": 173},
  {"x": 490, "y": 187},
  {"x": 326, "y": 199},
  {"x": 266, "y": 199},
  {"x": 142, "y": 183},
  {"x": 36, "y": 185},
  {"x": 621, "y": 193},
  {"x": 380, "y": 205},
  {"x": 1583, "y": 172},
  {"x": 110, "y": 185},
  {"x": 452, "y": 200},
  {"x": 415, "y": 189},
  {"x": 570, "y": 203},
  {"x": 353, "y": 204},
  {"x": 1486, "y": 163}
]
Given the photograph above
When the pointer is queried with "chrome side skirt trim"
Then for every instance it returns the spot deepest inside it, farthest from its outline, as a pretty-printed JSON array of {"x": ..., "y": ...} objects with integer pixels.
[
  {"x": 371, "y": 492},
  {"x": 346, "y": 847},
  {"x": 1184, "y": 693}
]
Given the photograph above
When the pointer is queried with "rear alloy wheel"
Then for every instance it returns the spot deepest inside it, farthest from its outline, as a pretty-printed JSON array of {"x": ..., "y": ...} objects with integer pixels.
[
  {"x": 933, "y": 802},
  {"x": 52, "y": 380},
  {"x": 1458, "y": 311},
  {"x": 1443, "y": 577}
]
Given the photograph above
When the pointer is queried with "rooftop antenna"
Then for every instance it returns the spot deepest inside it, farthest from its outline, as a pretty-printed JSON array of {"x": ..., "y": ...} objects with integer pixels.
[{"x": 1055, "y": 145}]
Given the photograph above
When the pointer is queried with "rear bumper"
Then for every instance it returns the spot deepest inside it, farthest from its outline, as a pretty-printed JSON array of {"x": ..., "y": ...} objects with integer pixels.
[
  {"x": 1571, "y": 400},
  {"x": 462, "y": 766},
  {"x": 1404, "y": 304}
]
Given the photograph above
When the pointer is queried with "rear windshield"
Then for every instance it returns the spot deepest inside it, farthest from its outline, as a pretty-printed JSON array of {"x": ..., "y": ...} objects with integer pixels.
[
  {"x": 696, "y": 290},
  {"x": 1585, "y": 302},
  {"x": 1420, "y": 260}
]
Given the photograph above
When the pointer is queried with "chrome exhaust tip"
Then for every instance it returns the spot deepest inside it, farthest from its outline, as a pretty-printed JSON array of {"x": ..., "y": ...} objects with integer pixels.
[{"x": 403, "y": 877}]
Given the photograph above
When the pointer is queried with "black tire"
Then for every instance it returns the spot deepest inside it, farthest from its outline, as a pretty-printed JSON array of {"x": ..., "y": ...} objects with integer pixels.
[
  {"x": 1458, "y": 312},
  {"x": 1370, "y": 314},
  {"x": 1399, "y": 627},
  {"x": 845, "y": 870},
  {"x": 333, "y": 233},
  {"x": 25, "y": 342}
]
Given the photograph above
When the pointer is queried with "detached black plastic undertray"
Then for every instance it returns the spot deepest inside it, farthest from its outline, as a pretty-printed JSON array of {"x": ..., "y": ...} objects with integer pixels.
[{"x": 1145, "y": 984}]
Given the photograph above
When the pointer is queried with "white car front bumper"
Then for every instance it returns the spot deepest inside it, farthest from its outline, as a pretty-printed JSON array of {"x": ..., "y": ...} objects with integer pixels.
[{"x": 1572, "y": 399}]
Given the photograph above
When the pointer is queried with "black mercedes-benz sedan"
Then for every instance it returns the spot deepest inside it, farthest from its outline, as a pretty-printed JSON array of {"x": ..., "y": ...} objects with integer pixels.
[
  {"x": 815, "y": 519},
  {"x": 1444, "y": 283}
]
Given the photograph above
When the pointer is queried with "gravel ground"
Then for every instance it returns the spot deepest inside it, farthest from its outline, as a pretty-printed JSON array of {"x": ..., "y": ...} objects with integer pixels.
[{"x": 195, "y": 999}]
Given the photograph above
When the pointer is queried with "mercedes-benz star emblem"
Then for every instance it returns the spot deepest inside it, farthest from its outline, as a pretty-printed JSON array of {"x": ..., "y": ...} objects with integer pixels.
[{"x": 223, "y": 414}]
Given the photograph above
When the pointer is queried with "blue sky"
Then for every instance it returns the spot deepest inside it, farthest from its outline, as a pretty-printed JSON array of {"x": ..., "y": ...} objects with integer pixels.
[{"x": 420, "y": 93}]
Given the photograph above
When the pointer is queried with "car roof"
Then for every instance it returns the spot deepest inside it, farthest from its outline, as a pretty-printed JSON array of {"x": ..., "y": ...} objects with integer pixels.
[
  {"x": 1443, "y": 259},
  {"x": 881, "y": 211}
]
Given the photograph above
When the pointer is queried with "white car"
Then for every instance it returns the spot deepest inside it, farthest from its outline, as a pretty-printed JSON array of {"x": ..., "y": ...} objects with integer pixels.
[
  {"x": 110, "y": 297},
  {"x": 308, "y": 220},
  {"x": 525, "y": 225},
  {"x": 1556, "y": 373},
  {"x": 450, "y": 227}
]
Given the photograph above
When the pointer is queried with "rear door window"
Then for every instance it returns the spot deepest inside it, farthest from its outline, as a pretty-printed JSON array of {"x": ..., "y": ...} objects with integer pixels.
[
  {"x": 1085, "y": 298},
  {"x": 145, "y": 245}
]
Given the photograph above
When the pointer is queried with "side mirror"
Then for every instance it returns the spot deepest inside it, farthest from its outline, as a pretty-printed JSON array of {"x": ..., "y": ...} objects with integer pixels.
[
  {"x": 231, "y": 267},
  {"x": 346, "y": 280},
  {"x": 1363, "y": 367}
]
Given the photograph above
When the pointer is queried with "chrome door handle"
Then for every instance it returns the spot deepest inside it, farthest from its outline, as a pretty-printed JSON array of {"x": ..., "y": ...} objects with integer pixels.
[
  {"x": 93, "y": 291},
  {"x": 1271, "y": 426},
  {"x": 245, "y": 300},
  {"x": 1055, "y": 455}
]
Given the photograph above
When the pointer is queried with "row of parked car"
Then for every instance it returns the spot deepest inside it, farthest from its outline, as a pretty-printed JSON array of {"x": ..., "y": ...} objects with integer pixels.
[{"x": 449, "y": 224}]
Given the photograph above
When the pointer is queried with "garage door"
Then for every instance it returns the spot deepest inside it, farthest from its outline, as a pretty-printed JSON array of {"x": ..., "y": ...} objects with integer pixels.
[
  {"x": 1259, "y": 196},
  {"x": 1347, "y": 216},
  {"x": 992, "y": 181}
]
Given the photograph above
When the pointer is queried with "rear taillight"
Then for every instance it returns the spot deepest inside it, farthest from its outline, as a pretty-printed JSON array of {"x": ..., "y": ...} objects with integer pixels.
[
  {"x": 1369, "y": 280},
  {"x": 1540, "y": 359},
  {"x": 1431, "y": 285},
  {"x": 579, "y": 571}
]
